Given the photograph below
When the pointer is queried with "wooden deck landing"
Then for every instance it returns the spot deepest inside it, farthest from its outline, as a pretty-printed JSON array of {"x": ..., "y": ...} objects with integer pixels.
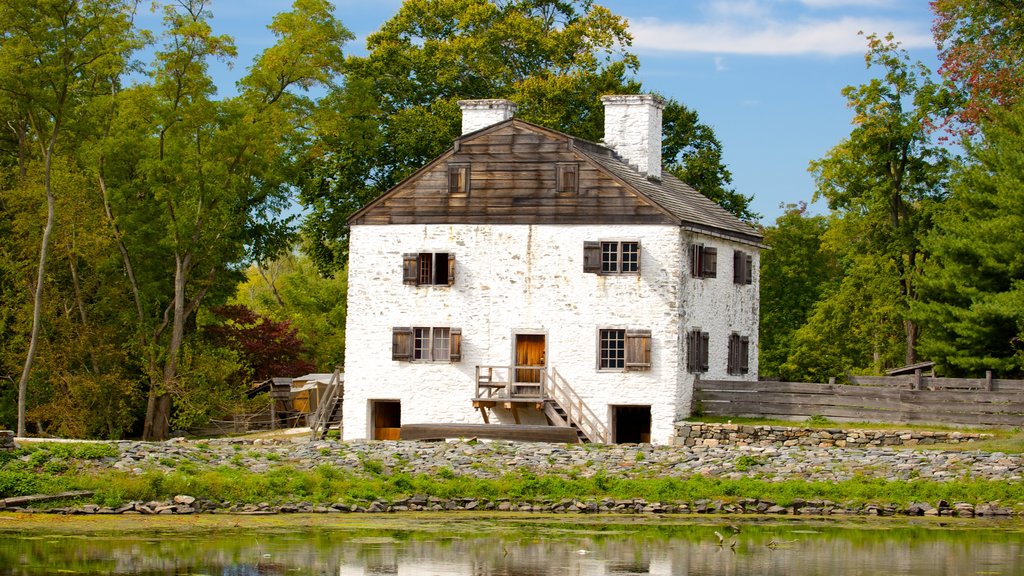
[{"x": 517, "y": 432}]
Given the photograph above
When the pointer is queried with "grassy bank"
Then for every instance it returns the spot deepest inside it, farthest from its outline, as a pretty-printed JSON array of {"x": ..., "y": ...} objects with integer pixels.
[{"x": 54, "y": 468}]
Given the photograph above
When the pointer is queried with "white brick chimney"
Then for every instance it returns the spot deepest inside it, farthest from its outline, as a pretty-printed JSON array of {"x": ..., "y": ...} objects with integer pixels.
[
  {"x": 632, "y": 127},
  {"x": 477, "y": 114}
]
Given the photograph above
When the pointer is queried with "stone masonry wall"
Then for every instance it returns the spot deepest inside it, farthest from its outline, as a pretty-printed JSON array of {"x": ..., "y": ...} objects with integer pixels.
[
  {"x": 745, "y": 435},
  {"x": 6, "y": 440}
]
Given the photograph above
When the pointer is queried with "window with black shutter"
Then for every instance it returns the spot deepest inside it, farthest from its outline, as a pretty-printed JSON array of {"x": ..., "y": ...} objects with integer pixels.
[
  {"x": 742, "y": 268},
  {"x": 739, "y": 354},
  {"x": 703, "y": 261},
  {"x": 697, "y": 351}
]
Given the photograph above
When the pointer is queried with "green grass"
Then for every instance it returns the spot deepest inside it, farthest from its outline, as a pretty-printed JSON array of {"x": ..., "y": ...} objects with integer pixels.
[{"x": 331, "y": 484}]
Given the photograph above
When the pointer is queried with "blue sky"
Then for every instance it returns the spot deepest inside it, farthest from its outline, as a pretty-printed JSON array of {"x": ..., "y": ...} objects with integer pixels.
[{"x": 765, "y": 74}]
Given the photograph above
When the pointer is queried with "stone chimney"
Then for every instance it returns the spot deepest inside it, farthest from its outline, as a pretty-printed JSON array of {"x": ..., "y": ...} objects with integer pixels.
[
  {"x": 477, "y": 114},
  {"x": 632, "y": 127}
]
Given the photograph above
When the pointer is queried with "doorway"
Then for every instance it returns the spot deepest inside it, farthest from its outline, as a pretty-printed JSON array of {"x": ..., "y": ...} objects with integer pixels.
[
  {"x": 631, "y": 424},
  {"x": 386, "y": 419},
  {"x": 531, "y": 357}
]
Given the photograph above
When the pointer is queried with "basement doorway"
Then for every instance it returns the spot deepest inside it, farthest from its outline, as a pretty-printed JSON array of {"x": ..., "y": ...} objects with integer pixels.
[
  {"x": 386, "y": 419},
  {"x": 631, "y": 424}
]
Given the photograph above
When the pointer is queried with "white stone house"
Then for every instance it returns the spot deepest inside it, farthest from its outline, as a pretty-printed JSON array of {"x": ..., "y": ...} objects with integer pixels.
[{"x": 526, "y": 276}]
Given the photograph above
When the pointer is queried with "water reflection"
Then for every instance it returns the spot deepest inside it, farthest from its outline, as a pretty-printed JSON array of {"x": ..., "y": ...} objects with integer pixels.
[{"x": 508, "y": 547}]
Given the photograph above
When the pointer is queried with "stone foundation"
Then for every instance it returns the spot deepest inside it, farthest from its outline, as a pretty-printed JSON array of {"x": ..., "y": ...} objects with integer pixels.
[{"x": 702, "y": 434}]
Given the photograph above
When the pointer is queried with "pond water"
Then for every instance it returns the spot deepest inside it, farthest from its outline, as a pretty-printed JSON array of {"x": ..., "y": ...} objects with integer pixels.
[{"x": 455, "y": 546}]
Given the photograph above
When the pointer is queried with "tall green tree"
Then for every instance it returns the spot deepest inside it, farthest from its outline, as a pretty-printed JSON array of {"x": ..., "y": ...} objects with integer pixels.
[
  {"x": 886, "y": 178},
  {"x": 194, "y": 186},
  {"x": 56, "y": 55},
  {"x": 398, "y": 107},
  {"x": 972, "y": 303},
  {"x": 795, "y": 272}
]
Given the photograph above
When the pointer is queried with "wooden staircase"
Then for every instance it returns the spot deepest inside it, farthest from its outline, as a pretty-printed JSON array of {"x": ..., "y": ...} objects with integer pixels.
[
  {"x": 549, "y": 392},
  {"x": 558, "y": 417},
  {"x": 328, "y": 410}
]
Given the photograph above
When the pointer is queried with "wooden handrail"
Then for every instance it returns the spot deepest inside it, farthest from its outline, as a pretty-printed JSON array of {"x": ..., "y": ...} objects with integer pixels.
[
  {"x": 319, "y": 418},
  {"x": 498, "y": 383},
  {"x": 576, "y": 411}
]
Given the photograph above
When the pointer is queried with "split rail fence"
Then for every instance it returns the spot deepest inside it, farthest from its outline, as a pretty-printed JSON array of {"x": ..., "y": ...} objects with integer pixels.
[{"x": 889, "y": 399}]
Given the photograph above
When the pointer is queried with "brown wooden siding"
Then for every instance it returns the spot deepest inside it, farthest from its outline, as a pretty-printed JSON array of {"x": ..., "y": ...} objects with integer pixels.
[{"x": 513, "y": 180}]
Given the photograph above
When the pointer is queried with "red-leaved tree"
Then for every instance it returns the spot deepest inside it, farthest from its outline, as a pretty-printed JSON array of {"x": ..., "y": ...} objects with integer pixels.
[
  {"x": 267, "y": 347},
  {"x": 981, "y": 47}
]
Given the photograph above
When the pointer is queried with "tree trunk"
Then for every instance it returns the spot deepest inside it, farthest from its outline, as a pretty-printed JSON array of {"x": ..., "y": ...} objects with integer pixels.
[
  {"x": 158, "y": 409},
  {"x": 37, "y": 303},
  {"x": 910, "y": 328}
]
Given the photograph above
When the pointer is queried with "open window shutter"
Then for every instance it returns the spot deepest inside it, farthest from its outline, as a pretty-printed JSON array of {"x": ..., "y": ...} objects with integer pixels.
[
  {"x": 401, "y": 344},
  {"x": 733, "y": 350},
  {"x": 455, "y": 345},
  {"x": 592, "y": 257},
  {"x": 737, "y": 267},
  {"x": 451, "y": 268},
  {"x": 410, "y": 268},
  {"x": 748, "y": 269},
  {"x": 696, "y": 258},
  {"x": 744, "y": 355},
  {"x": 691, "y": 351},
  {"x": 704, "y": 338},
  {"x": 638, "y": 349},
  {"x": 710, "y": 262}
]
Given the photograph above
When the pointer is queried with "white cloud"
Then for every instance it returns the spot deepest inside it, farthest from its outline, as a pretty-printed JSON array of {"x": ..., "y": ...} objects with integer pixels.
[
  {"x": 720, "y": 64},
  {"x": 842, "y": 3},
  {"x": 772, "y": 37}
]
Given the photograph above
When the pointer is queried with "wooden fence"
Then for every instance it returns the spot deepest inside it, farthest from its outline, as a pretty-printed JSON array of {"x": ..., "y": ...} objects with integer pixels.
[{"x": 892, "y": 399}]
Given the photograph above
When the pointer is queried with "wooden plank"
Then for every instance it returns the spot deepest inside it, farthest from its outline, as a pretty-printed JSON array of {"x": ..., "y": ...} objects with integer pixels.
[
  {"x": 36, "y": 498},
  {"x": 790, "y": 410},
  {"x": 892, "y": 381},
  {"x": 865, "y": 402},
  {"x": 519, "y": 432},
  {"x": 962, "y": 397},
  {"x": 793, "y": 387}
]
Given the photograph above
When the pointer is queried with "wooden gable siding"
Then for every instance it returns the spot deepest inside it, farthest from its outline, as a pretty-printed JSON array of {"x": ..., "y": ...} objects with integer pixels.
[{"x": 513, "y": 179}]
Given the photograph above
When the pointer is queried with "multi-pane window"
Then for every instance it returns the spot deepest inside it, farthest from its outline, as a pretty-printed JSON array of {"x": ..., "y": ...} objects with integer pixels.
[
  {"x": 429, "y": 268},
  {"x": 624, "y": 349},
  {"x": 613, "y": 349},
  {"x": 739, "y": 354},
  {"x": 703, "y": 261},
  {"x": 611, "y": 257},
  {"x": 742, "y": 268},
  {"x": 697, "y": 351},
  {"x": 458, "y": 179},
  {"x": 426, "y": 344}
]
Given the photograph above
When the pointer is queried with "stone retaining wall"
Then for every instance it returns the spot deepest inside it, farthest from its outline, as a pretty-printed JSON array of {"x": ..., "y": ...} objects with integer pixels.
[{"x": 702, "y": 434}]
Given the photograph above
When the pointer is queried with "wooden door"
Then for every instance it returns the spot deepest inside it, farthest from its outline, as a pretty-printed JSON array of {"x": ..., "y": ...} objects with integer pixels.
[
  {"x": 530, "y": 351},
  {"x": 387, "y": 419}
]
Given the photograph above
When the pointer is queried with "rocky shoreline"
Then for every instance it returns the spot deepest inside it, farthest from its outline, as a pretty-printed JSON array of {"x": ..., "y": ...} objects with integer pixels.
[
  {"x": 184, "y": 504},
  {"x": 490, "y": 460}
]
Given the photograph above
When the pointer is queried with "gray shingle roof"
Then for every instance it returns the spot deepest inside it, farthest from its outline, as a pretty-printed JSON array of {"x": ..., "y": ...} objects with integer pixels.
[{"x": 693, "y": 209}]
